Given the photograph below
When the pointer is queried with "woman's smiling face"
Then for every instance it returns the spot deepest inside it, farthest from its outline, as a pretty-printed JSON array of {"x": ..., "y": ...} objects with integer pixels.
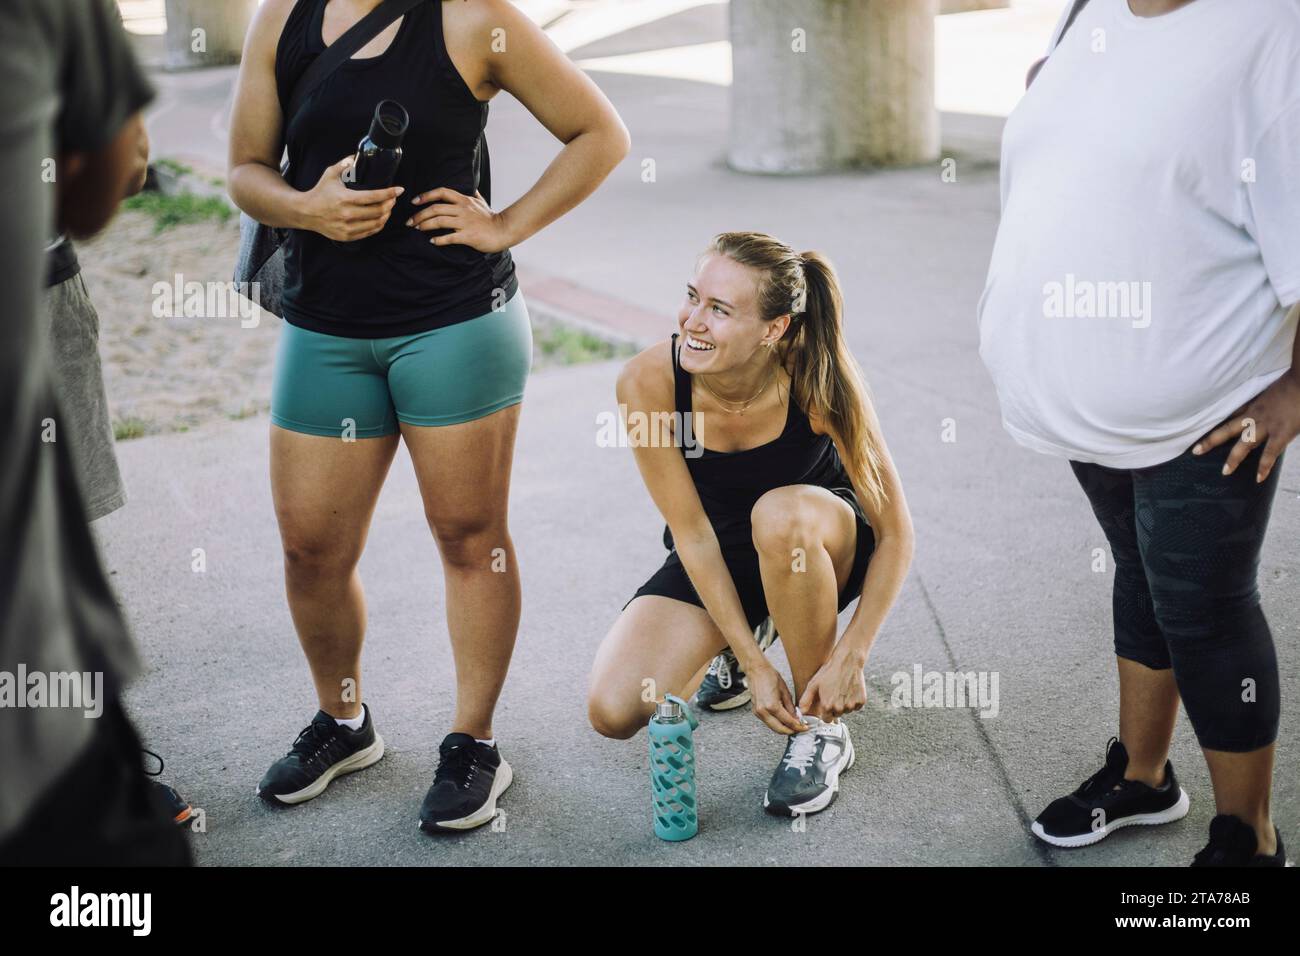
[{"x": 719, "y": 320}]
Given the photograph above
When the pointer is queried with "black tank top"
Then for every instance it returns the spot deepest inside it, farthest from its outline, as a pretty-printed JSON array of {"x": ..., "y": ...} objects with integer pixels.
[
  {"x": 730, "y": 483},
  {"x": 396, "y": 282}
]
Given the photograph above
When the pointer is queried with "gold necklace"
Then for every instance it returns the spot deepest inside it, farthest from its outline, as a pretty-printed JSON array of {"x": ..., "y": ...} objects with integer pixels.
[{"x": 743, "y": 405}]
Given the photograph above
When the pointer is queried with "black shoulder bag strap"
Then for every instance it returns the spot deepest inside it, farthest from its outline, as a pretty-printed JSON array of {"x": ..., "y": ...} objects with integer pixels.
[
  {"x": 1069, "y": 22},
  {"x": 343, "y": 49}
]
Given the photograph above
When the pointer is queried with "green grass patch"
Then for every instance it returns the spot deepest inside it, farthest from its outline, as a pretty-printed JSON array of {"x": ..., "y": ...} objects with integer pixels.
[
  {"x": 168, "y": 211},
  {"x": 173, "y": 167},
  {"x": 125, "y": 428},
  {"x": 565, "y": 345}
]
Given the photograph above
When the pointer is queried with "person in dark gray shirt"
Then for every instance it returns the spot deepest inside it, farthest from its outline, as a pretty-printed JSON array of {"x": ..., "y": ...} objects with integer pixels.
[{"x": 70, "y": 95}]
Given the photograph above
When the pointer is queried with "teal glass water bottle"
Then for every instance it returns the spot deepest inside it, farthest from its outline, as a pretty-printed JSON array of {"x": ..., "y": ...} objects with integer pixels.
[{"x": 672, "y": 769}]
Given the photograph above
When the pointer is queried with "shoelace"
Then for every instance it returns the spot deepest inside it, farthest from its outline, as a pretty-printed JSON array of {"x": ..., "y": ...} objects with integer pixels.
[
  {"x": 313, "y": 739},
  {"x": 453, "y": 763},
  {"x": 721, "y": 670},
  {"x": 161, "y": 765},
  {"x": 802, "y": 751},
  {"x": 1104, "y": 779}
]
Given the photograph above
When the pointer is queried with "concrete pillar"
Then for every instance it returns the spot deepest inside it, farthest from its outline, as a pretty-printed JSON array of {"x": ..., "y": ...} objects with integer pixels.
[
  {"x": 206, "y": 32},
  {"x": 828, "y": 84}
]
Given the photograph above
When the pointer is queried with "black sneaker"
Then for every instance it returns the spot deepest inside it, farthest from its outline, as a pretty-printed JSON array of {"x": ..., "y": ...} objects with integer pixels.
[
  {"x": 1105, "y": 802},
  {"x": 808, "y": 776},
  {"x": 176, "y": 806},
  {"x": 469, "y": 778},
  {"x": 325, "y": 749},
  {"x": 724, "y": 687},
  {"x": 1233, "y": 843}
]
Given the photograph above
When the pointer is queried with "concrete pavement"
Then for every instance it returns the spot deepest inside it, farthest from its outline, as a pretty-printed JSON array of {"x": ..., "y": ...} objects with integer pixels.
[
  {"x": 1001, "y": 583},
  {"x": 227, "y": 689}
]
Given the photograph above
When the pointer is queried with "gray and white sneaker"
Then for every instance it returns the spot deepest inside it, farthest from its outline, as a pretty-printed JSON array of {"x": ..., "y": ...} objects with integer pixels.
[
  {"x": 724, "y": 687},
  {"x": 808, "y": 776}
]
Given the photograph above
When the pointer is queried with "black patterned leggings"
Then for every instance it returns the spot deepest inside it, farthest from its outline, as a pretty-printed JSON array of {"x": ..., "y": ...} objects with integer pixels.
[{"x": 1186, "y": 541}]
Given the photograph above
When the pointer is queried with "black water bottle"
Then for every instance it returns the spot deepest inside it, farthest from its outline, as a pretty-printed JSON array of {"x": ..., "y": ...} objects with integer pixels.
[
  {"x": 378, "y": 155},
  {"x": 380, "y": 152}
]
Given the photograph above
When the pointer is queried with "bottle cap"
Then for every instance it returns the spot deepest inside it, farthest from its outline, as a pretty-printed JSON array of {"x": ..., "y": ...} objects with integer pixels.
[
  {"x": 668, "y": 710},
  {"x": 388, "y": 128}
]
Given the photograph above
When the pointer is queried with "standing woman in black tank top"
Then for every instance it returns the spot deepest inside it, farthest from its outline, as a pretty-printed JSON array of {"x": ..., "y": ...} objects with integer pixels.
[
  {"x": 403, "y": 321},
  {"x": 780, "y": 499}
]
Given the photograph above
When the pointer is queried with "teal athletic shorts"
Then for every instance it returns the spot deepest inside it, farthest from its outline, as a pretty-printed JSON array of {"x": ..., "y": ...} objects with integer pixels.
[{"x": 444, "y": 376}]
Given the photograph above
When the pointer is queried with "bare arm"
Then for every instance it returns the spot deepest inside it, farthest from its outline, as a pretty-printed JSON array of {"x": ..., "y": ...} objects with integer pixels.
[
  {"x": 257, "y": 127},
  {"x": 564, "y": 100},
  {"x": 646, "y": 388},
  {"x": 571, "y": 107},
  {"x": 257, "y": 143}
]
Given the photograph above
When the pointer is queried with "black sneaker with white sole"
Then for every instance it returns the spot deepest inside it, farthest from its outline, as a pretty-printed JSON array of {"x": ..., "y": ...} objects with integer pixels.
[
  {"x": 324, "y": 750},
  {"x": 1233, "y": 843},
  {"x": 808, "y": 776},
  {"x": 1106, "y": 802},
  {"x": 724, "y": 687},
  {"x": 469, "y": 778}
]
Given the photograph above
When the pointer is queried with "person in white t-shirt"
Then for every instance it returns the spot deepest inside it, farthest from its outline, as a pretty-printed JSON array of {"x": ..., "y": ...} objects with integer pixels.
[{"x": 1136, "y": 321}]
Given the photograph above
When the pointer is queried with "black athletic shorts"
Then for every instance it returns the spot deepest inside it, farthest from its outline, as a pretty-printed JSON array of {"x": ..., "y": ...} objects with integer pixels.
[{"x": 672, "y": 581}]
